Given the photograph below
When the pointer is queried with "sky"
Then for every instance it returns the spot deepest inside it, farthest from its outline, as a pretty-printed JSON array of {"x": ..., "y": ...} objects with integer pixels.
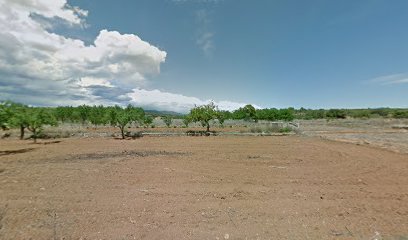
[{"x": 175, "y": 54}]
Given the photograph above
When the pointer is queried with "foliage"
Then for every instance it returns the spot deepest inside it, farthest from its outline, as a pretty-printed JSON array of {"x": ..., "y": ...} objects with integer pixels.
[
  {"x": 5, "y": 114},
  {"x": 186, "y": 120},
  {"x": 15, "y": 115},
  {"x": 336, "y": 113},
  {"x": 167, "y": 120},
  {"x": 97, "y": 115},
  {"x": 83, "y": 112},
  {"x": 36, "y": 118},
  {"x": 222, "y": 116},
  {"x": 204, "y": 114},
  {"x": 148, "y": 120},
  {"x": 19, "y": 118},
  {"x": 64, "y": 114},
  {"x": 400, "y": 113},
  {"x": 274, "y": 114},
  {"x": 247, "y": 113},
  {"x": 122, "y": 117}
]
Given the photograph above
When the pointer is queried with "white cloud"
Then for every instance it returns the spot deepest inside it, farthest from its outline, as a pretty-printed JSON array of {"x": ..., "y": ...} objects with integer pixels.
[
  {"x": 204, "y": 36},
  {"x": 34, "y": 61},
  {"x": 391, "y": 79},
  {"x": 39, "y": 67},
  {"x": 156, "y": 99}
]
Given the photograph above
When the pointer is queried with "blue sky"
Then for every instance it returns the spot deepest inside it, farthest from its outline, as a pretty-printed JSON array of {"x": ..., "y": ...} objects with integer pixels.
[{"x": 313, "y": 54}]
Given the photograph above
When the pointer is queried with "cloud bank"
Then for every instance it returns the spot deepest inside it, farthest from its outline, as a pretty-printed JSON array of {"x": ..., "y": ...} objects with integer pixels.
[
  {"x": 43, "y": 68},
  {"x": 157, "y": 99}
]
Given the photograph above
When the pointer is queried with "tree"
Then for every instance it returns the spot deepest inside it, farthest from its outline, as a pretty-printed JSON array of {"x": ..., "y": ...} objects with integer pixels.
[
  {"x": 5, "y": 114},
  {"x": 63, "y": 114},
  {"x": 204, "y": 114},
  {"x": 97, "y": 115},
  {"x": 222, "y": 116},
  {"x": 148, "y": 120},
  {"x": 20, "y": 117},
  {"x": 400, "y": 113},
  {"x": 122, "y": 117},
  {"x": 248, "y": 112},
  {"x": 167, "y": 120},
  {"x": 36, "y": 119},
  {"x": 286, "y": 114},
  {"x": 186, "y": 120},
  {"x": 336, "y": 113},
  {"x": 83, "y": 113}
]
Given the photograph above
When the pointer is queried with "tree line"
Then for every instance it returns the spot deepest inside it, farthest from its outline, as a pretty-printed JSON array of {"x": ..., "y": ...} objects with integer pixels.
[{"x": 33, "y": 119}]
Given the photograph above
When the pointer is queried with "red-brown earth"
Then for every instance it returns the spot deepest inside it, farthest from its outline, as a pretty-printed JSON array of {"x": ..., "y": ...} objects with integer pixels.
[{"x": 219, "y": 187}]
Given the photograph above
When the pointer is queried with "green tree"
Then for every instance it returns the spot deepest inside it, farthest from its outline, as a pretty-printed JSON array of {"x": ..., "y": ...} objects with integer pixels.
[
  {"x": 286, "y": 114},
  {"x": 186, "y": 120},
  {"x": 167, "y": 120},
  {"x": 148, "y": 120},
  {"x": 204, "y": 114},
  {"x": 122, "y": 117},
  {"x": 248, "y": 112},
  {"x": 20, "y": 117},
  {"x": 222, "y": 116},
  {"x": 83, "y": 112},
  {"x": 36, "y": 119},
  {"x": 400, "y": 113},
  {"x": 336, "y": 113},
  {"x": 5, "y": 114},
  {"x": 97, "y": 115},
  {"x": 64, "y": 114}
]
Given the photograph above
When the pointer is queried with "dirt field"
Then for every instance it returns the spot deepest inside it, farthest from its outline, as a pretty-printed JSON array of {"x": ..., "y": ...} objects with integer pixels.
[
  {"x": 224, "y": 187},
  {"x": 391, "y": 134}
]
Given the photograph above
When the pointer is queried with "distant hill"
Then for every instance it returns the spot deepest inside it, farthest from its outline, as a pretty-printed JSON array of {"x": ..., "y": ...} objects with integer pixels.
[{"x": 157, "y": 113}]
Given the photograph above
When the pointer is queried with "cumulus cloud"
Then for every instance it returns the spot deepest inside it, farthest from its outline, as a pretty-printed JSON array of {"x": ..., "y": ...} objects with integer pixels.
[
  {"x": 40, "y": 67},
  {"x": 34, "y": 61}
]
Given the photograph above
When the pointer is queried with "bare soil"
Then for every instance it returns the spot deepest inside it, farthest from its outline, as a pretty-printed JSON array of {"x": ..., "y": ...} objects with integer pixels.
[
  {"x": 390, "y": 134},
  {"x": 223, "y": 187}
]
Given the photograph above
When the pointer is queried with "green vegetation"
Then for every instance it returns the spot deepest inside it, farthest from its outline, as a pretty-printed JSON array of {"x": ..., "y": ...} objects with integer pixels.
[
  {"x": 36, "y": 119},
  {"x": 167, "y": 120},
  {"x": 186, "y": 121},
  {"x": 274, "y": 128},
  {"x": 247, "y": 113},
  {"x": 303, "y": 113},
  {"x": 120, "y": 117},
  {"x": 33, "y": 119},
  {"x": 15, "y": 115},
  {"x": 148, "y": 120},
  {"x": 204, "y": 114}
]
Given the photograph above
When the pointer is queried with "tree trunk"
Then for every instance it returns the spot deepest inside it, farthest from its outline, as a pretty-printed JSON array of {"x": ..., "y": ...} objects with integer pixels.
[
  {"x": 35, "y": 135},
  {"x": 122, "y": 131},
  {"x": 22, "y": 132},
  {"x": 208, "y": 126}
]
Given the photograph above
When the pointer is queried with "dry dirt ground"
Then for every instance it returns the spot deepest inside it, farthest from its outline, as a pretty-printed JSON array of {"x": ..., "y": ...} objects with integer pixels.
[
  {"x": 391, "y": 134},
  {"x": 222, "y": 187}
]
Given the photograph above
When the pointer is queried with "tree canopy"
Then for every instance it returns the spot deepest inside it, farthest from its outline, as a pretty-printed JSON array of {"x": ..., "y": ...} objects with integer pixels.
[{"x": 204, "y": 114}]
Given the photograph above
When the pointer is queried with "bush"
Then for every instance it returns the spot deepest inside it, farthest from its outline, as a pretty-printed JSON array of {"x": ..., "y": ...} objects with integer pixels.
[
  {"x": 285, "y": 130},
  {"x": 134, "y": 135},
  {"x": 400, "y": 114},
  {"x": 274, "y": 128}
]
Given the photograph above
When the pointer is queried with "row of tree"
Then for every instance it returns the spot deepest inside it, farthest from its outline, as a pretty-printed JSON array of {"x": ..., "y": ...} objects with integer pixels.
[
  {"x": 33, "y": 119},
  {"x": 303, "y": 113},
  {"x": 15, "y": 115}
]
